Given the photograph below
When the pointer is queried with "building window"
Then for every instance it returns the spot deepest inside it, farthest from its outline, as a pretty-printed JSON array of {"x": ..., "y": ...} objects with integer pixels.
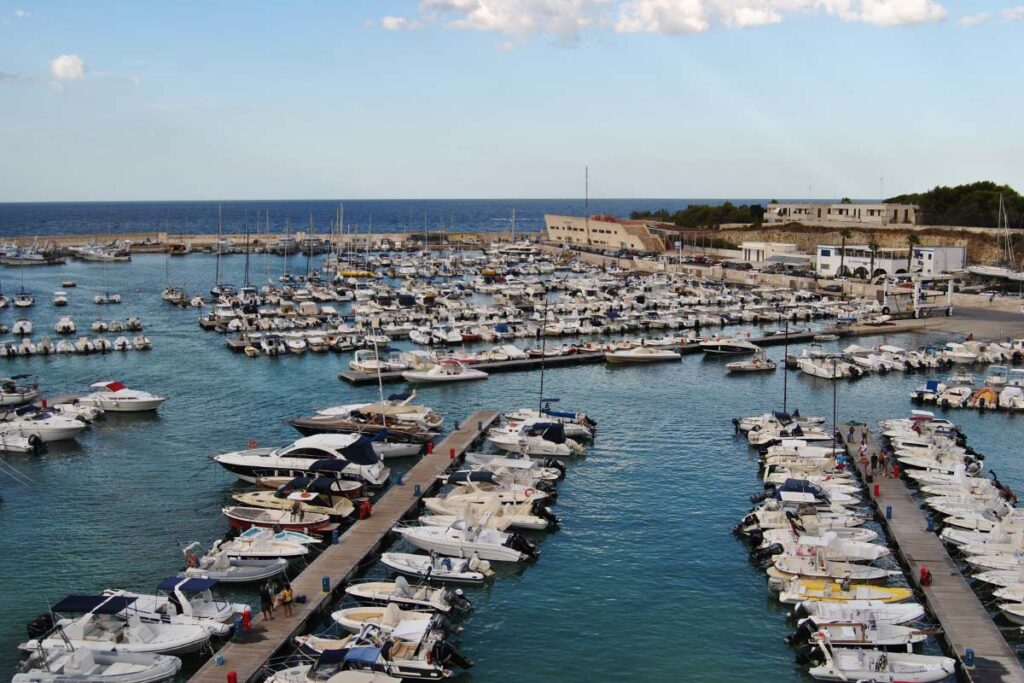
[{"x": 826, "y": 252}]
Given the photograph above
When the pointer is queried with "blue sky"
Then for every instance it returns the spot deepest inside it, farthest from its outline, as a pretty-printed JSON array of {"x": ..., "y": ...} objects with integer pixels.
[{"x": 506, "y": 98}]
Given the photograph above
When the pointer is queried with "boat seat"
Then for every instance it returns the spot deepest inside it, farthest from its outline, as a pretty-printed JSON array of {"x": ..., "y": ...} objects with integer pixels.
[
  {"x": 81, "y": 662},
  {"x": 120, "y": 668},
  {"x": 392, "y": 616}
]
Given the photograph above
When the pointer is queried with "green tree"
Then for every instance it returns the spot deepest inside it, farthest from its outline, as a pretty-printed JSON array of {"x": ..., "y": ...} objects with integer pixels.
[
  {"x": 973, "y": 205},
  {"x": 846, "y": 234}
]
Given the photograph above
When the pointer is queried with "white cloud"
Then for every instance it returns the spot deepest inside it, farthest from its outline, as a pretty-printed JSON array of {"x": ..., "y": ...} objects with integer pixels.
[
  {"x": 398, "y": 24},
  {"x": 520, "y": 18},
  {"x": 974, "y": 19},
  {"x": 1013, "y": 13},
  {"x": 662, "y": 16},
  {"x": 66, "y": 68},
  {"x": 21, "y": 14},
  {"x": 885, "y": 12}
]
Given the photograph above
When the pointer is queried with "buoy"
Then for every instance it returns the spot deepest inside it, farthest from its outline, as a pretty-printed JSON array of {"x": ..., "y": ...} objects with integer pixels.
[
  {"x": 232, "y": 677},
  {"x": 877, "y": 490},
  {"x": 925, "y": 576}
]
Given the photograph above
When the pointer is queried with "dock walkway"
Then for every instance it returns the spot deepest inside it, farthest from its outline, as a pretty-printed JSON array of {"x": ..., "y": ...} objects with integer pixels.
[
  {"x": 340, "y": 562},
  {"x": 965, "y": 623}
]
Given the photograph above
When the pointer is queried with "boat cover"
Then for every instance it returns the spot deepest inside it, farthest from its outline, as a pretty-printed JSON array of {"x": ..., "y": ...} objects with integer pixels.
[
  {"x": 467, "y": 475},
  {"x": 549, "y": 431},
  {"x": 328, "y": 485},
  {"x": 193, "y": 584},
  {"x": 98, "y": 604},
  {"x": 361, "y": 452},
  {"x": 361, "y": 655},
  {"x": 800, "y": 486}
]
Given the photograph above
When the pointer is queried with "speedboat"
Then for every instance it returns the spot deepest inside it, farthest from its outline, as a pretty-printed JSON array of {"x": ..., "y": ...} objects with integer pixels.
[
  {"x": 730, "y": 346},
  {"x": 445, "y": 371},
  {"x": 390, "y": 618},
  {"x": 462, "y": 540},
  {"x": 60, "y": 298},
  {"x": 333, "y": 665},
  {"x": 353, "y": 457},
  {"x": 43, "y": 424},
  {"x": 13, "y": 392},
  {"x": 759, "y": 363},
  {"x": 185, "y": 601},
  {"x": 62, "y": 664},
  {"x": 535, "y": 437},
  {"x": 117, "y": 398},
  {"x": 641, "y": 354},
  {"x": 218, "y": 565},
  {"x": 107, "y": 623},
  {"x": 303, "y": 494},
  {"x": 879, "y": 666},
  {"x": 399, "y": 592},
  {"x": 458, "y": 570},
  {"x": 242, "y": 517}
]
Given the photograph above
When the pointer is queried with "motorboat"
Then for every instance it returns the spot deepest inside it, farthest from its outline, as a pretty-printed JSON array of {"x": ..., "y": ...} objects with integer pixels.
[
  {"x": 641, "y": 354},
  {"x": 260, "y": 545},
  {"x": 759, "y": 363},
  {"x": 443, "y": 569},
  {"x": 62, "y": 664},
  {"x": 45, "y": 425},
  {"x": 22, "y": 327},
  {"x": 333, "y": 665},
  {"x": 535, "y": 516},
  {"x": 879, "y": 666},
  {"x": 115, "y": 397},
  {"x": 519, "y": 464},
  {"x": 798, "y": 590},
  {"x": 306, "y": 494},
  {"x": 353, "y": 456},
  {"x": 185, "y": 601},
  {"x": 65, "y": 325},
  {"x": 858, "y": 610},
  {"x": 462, "y": 540},
  {"x": 400, "y": 592},
  {"x": 392, "y": 620},
  {"x": 14, "y": 392},
  {"x": 445, "y": 371},
  {"x": 15, "y": 443},
  {"x": 107, "y": 623},
  {"x": 242, "y": 517},
  {"x": 729, "y": 346},
  {"x": 218, "y": 565},
  {"x": 350, "y": 488},
  {"x": 535, "y": 437}
]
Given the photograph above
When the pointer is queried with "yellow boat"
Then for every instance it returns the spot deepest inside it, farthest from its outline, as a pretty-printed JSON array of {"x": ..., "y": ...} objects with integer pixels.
[
  {"x": 798, "y": 590},
  {"x": 356, "y": 273}
]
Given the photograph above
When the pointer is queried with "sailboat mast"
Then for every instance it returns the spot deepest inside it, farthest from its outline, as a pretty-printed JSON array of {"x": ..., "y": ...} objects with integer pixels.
[
  {"x": 220, "y": 241},
  {"x": 586, "y": 199}
]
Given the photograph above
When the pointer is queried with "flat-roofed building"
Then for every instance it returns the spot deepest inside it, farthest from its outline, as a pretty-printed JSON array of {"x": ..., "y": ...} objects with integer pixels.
[
  {"x": 859, "y": 260},
  {"x": 758, "y": 252},
  {"x": 842, "y": 215},
  {"x": 602, "y": 232}
]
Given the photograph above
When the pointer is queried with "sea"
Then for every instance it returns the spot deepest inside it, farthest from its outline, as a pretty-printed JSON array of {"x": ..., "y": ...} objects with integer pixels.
[
  {"x": 383, "y": 216},
  {"x": 643, "y": 581}
]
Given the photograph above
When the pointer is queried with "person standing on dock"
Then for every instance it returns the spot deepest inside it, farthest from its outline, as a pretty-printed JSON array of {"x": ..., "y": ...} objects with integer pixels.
[
  {"x": 883, "y": 467},
  {"x": 286, "y": 599},
  {"x": 267, "y": 600},
  {"x": 874, "y": 462},
  {"x": 863, "y": 457}
]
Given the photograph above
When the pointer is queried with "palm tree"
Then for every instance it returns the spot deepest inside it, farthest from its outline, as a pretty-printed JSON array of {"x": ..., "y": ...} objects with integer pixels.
[
  {"x": 912, "y": 241},
  {"x": 845, "y": 233},
  {"x": 873, "y": 246}
]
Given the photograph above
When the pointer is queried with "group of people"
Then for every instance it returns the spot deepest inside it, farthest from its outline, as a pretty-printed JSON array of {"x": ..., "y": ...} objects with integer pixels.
[
  {"x": 271, "y": 597},
  {"x": 881, "y": 463}
]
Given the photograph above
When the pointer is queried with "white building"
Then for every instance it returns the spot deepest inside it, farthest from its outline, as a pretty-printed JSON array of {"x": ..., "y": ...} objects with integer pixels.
[
  {"x": 859, "y": 260},
  {"x": 842, "y": 215},
  {"x": 602, "y": 232},
  {"x": 759, "y": 252}
]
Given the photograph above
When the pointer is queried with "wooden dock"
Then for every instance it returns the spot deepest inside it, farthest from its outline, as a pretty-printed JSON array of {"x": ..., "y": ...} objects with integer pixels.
[
  {"x": 949, "y": 598},
  {"x": 247, "y": 656}
]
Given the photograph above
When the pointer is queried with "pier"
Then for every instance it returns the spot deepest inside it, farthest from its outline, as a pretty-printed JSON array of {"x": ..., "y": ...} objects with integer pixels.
[
  {"x": 965, "y": 622},
  {"x": 339, "y": 562}
]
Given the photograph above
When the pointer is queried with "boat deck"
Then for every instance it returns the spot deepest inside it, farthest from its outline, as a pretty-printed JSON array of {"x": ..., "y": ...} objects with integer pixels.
[
  {"x": 949, "y": 598},
  {"x": 247, "y": 656}
]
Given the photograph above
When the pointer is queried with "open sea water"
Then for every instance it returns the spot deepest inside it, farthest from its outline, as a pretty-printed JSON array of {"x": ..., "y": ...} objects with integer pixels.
[
  {"x": 411, "y": 215},
  {"x": 643, "y": 581}
]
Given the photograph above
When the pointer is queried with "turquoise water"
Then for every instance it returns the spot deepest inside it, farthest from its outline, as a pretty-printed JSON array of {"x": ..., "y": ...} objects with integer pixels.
[{"x": 643, "y": 573}]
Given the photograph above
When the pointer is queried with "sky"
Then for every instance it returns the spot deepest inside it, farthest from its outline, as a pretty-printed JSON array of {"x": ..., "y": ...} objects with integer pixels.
[{"x": 506, "y": 98}]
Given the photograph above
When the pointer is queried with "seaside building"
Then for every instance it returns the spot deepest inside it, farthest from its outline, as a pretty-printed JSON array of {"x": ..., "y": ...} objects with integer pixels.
[
  {"x": 859, "y": 260},
  {"x": 602, "y": 232},
  {"x": 842, "y": 215}
]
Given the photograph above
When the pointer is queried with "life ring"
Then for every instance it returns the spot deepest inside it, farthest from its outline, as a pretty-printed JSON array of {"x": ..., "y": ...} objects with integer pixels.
[
  {"x": 528, "y": 492},
  {"x": 192, "y": 559},
  {"x": 253, "y": 443}
]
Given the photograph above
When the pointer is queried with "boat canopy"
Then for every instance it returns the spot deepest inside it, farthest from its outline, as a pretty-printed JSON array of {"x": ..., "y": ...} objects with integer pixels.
[
  {"x": 329, "y": 465},
  {"x": 800, "y": 486},
  {"x": 360, "y": 452},
  {"x": 469, "y": 475},
  {"x": 360, "y": 655},
  {"x": 192, "y": 584},
  {"x": 95, "y": 604},
  {"x": 109, "y": 386},
  {"x": 549, "y": 431},
  {"x": 327, "y": 485}
]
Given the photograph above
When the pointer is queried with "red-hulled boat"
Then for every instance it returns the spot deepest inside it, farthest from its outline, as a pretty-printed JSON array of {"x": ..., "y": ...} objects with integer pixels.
[{"x": 243, "y": 518}]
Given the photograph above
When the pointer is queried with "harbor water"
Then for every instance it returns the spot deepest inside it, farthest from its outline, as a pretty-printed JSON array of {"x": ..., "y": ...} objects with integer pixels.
[{"x": 643, "y": 581}]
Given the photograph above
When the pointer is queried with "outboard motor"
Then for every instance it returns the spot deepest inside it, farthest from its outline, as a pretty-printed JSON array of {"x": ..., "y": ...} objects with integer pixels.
[
  {"x": 517, "y": 542},
  {"x": 554, "y": 464},
  {"x": 547, "y": 487},
  {"x": 38, "y": 446},
  {"x": 457, "y": 599},
  {"x": 444, "y": 653},
  {"x": 756, "y": 537},
  {"x": 804, "y": 630},
  {"x": 800, "y": 611},
  {"x": 766, "y": 553},
  {"x": 539, "y": 509},
  {"x": 40, "y": 626}
]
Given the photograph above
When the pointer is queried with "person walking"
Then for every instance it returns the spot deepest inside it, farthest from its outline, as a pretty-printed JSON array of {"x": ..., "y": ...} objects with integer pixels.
[
  {"x": 267, "y": 600},
  {"x": 874, "y": 462},
  {"x": 863, "y": 457},
  {"x": 883, "y": 467},
  {"x": 850, "y": 437}
]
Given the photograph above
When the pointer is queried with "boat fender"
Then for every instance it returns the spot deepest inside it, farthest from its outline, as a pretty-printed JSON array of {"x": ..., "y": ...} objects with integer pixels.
[{"x": 529, "y": 493}]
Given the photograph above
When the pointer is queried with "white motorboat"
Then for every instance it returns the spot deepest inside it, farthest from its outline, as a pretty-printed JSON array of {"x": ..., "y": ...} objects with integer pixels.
[
  {"x": 729, "y": 346},
  {"x": 117, "y": 398},
  {"x": 65, "y": 665},
  {"x": 185, "y": 601},
  {"x": 858, "y": 610},
  {"x": 330, "y": 666},
  {"x": 14, "y": 392},
  {"x": 42, "y": 424},
  {"x": 348, "y": 455},
  {"x": 263, "y": 546},
  {"x": 641, "y": 354},
  {"x": 392, "y": 620},
  {"x": 879, "y": 666},
  {"x": 759, "y": 363},
  {"x": 60, "y": 298},
  {"x": 445, "y": 371},
  {"x": 445, "y": 569},
  {"x": 535, "y": 437},
  {"x": 65, "y": 325},
  {"x": 317, "y": 495},
  {"x": 218, "y": 565},
  {"x": 463, "y": 540},
  {"x": 22, "y": 326},
  {"x": 104, "y": 626},
  {"x": 399, "y": 592},
  {"x": 14, "y": 443}
]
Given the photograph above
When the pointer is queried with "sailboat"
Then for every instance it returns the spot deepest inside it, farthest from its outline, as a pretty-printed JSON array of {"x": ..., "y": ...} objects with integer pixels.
[
  {"x": 1007, "y": 270},
  {"x": 219, "y": 288},
  {"x": 171, "y": 294},
  {"x": 23, "y": 299}
]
